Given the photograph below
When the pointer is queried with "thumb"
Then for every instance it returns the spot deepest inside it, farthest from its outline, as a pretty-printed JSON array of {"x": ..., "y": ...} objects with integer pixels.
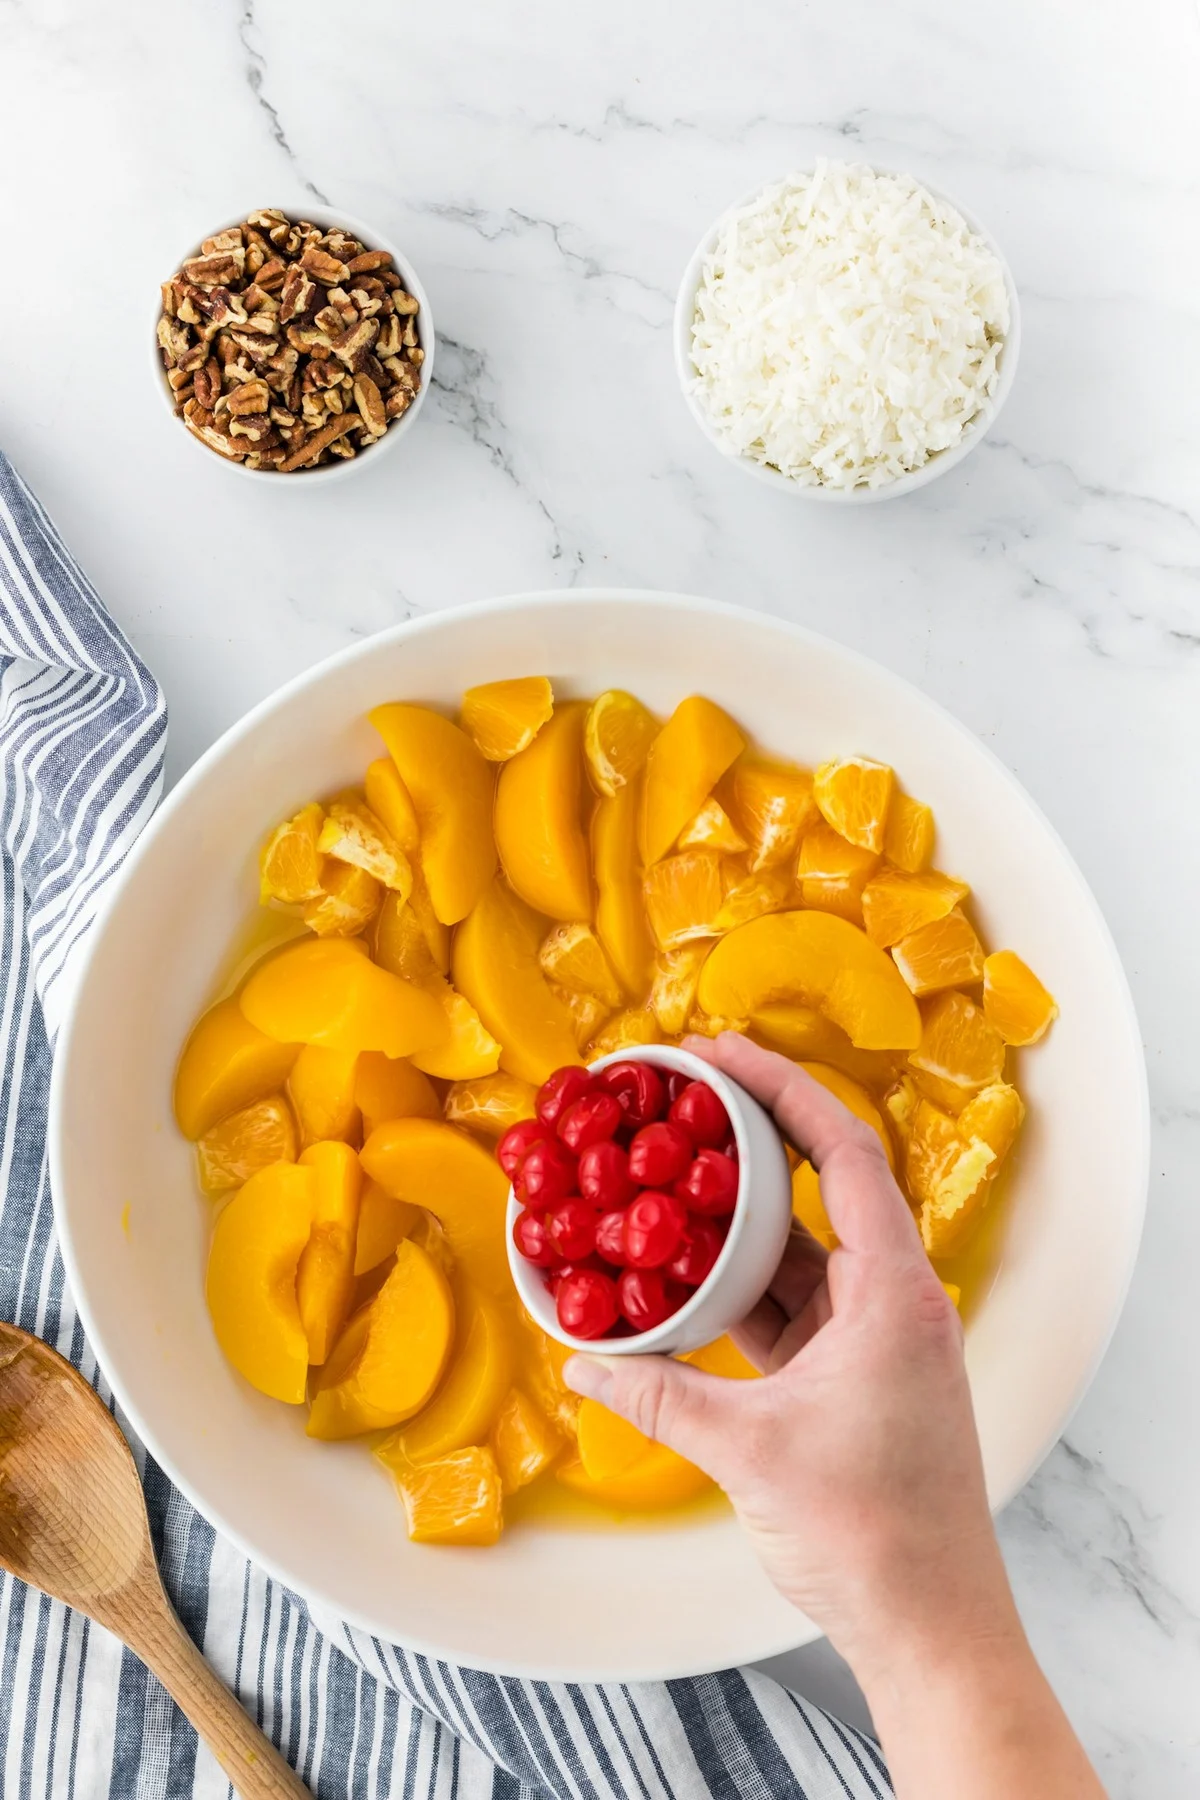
[{"x": 689, "y": 1411}]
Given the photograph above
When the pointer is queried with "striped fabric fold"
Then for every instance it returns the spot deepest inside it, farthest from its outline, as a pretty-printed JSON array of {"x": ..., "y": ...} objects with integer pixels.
[{"x": 82, "y": 733}]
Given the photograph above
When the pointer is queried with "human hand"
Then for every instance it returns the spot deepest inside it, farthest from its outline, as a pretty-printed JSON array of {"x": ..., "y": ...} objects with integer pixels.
[{"x": 854, "y": 1465}]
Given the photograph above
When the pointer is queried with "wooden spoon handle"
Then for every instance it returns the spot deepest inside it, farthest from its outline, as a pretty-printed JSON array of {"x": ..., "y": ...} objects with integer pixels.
[{"x": 248, "y": 1757}]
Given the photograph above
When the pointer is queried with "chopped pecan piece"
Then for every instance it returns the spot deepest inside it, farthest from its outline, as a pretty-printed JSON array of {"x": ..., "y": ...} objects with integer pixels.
[
  {"x": 354, "y": 344},
  {"x": 214, "y": 271},
  {"x": 173, "y": 339},
  {"x": 319, "y": 441},
  {"x": 251, "y": 397},
  {"x": 369, "y": 402},
  {"x": 208, "y": 383},
  {"x": 271, "y": 275},
  {"x": 325, "y": 268},
  {"x": 369, "y": 261},
  {"x": 405, "y": 303},
  {"x": 398, "y": 401},
  {"x": 230, "y": 241}
]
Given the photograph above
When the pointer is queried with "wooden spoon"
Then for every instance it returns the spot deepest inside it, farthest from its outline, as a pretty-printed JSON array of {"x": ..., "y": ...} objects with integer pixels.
[{"x": 73, "y": 1522}]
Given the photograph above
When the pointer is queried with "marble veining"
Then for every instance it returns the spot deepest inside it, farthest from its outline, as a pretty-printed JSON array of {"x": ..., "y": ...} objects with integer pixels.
[{"x": 549, "y": 170}]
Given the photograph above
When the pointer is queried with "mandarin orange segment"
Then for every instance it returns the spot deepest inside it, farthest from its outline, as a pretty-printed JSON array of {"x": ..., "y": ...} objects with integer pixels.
[
  {"x": 896, "y": 904},
  {"x": 523, "y": 1441},
  {"x": 686, "y": 760},
  {"x": 900, "y": 1104},
  {"x": 673, "y": 987},
  {"x": 391, "y": 1356},
  {"x": 430, "y": 1164},
  {"x": 573, "y": 956},
  {"x": 383, "y": 1222},
  {"x": 818, "y": 960},
  {"x": 466, "y": 1404},
  {"x": 353, "y": 835},
  {"x": 455, "y": 1500},
  {"x": 227, "y": 1063},
  {"x": 328, "y": 991},
  {"x": 853, "y": 795},
  {"x": 753, "y": 895},
  {"x": 495, "y": 965},
  {"x": 490, "y": 1103},
  {"x": 712, "y": 829},
  {"x": 996, "y": 1115},
  {"x": 290, "y": 863},
  {"x": 408, "y": 939},
  {"x": 833, "y": 873},
  {"x": 908, "y": 834},
  {"x": 1014, "y": 999},
  {"x": 620, "y": 916},
  {"x": 683, "y": 895},
  {"x": 469, "y": 1048},
  {"x": 949, "y": 1175},
  {"x": 625, "y": 1030},
  {"x": 250, "y": 1285},
  {"x": 539, "y": 820},
  {"x": 942, "y": 955},
  {"x": 773, "y": 803},
  {"x": 325, "y": 1273},
  {"x": 958, "y": 1044},
  {"x": 451, "y": 788},
  {"x": 588, "y": 1013},
  {"x": 617, "y": 736},
  {"x": 504, "y": 717},
  {"x": 230, "y": 1153},
  {"x": 387, "y": 1087},
  {"x": 321, "y": 1090},
  {"x": 390, "y": 801},
  {"x": 348, "y": 900}
]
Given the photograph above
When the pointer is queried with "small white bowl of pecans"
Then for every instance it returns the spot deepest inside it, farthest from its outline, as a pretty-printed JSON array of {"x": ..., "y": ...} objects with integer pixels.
[{"x": 291, "y": 346}]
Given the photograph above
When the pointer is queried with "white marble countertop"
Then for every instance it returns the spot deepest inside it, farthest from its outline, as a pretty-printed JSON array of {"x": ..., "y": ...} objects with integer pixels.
[{"x": 549, "y": 168}]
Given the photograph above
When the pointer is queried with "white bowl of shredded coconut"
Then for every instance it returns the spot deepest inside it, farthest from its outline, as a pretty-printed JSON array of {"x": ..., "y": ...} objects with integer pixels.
[{"x": 846, "y": 333}]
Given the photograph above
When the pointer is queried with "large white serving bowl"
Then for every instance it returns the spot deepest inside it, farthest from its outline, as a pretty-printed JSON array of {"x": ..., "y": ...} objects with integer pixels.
[{"x": 653, "y": 1599}]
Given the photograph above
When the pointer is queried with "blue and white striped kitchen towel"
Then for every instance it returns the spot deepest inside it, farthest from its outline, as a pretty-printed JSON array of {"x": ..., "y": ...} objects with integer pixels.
[{"x": 82, "y": 730}]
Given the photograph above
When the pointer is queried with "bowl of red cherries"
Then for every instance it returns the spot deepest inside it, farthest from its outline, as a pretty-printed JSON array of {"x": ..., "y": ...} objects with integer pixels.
[{"x": 650, "y": 1203}]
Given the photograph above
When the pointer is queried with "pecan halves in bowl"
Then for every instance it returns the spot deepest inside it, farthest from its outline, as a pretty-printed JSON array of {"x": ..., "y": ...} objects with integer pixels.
[{"x": 287, "y": 346}]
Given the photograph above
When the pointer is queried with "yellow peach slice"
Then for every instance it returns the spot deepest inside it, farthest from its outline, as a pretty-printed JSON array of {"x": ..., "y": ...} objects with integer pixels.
[
  {"x": 388, "y": 1087},
  {"x": 450, "y": 786},
  {"x": 820, "y": 960},
  {"x": 523, "y": 1441},
  {"x": 496, "y": 966},
  {"x": 464, "y": 1408},
  {"x": 389, "y": 1359},
  {"x": 620, "y": 916},
  {"x": 722, "y": 1357},
  {"x": 657, "y": 1478},
  {"x": 468, "y": 1050},
  {"x": 325, "y": 1274},
  {"x": 434, "y": 1166},
  {"x": 227, "y": 1064},
  {"x": 608, "y": 1444},
  {"x": 329, "y": 992},
  {"x": 539, "y": 820},
  {"x": 321, "y": 1090},
  {"x": 251, "y": 1281},
  {"x": 807, "y": 1203},
  {"x": 686, "y": 760},
  {"x": 456, "y": 1500},
  {"x": 390, "y": 801},
  {"x": 382, "y": 1223}
]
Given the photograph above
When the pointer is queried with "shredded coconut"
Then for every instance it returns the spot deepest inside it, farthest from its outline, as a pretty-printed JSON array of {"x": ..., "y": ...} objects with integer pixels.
[{"x": 848, "y": 327}]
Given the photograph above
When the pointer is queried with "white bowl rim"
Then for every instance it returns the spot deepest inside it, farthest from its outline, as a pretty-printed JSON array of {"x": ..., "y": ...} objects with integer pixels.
[
  {"x": 527, "y": 1279},
  {"x": 327, "y": 217},
  {"x": 942, "y": 460},
  {"x": 309, "y": 678}
]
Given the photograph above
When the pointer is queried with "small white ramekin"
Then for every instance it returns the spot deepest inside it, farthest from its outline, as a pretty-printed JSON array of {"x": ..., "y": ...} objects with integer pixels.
[
  {"x": 939, "y": 463},
  {"x": 752, "y": 1250},
  {"x": 399, "y": 428}
]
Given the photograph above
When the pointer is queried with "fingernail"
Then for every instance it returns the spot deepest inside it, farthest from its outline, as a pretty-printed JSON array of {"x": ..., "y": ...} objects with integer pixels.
[{"x": 588, "y": 1376}]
